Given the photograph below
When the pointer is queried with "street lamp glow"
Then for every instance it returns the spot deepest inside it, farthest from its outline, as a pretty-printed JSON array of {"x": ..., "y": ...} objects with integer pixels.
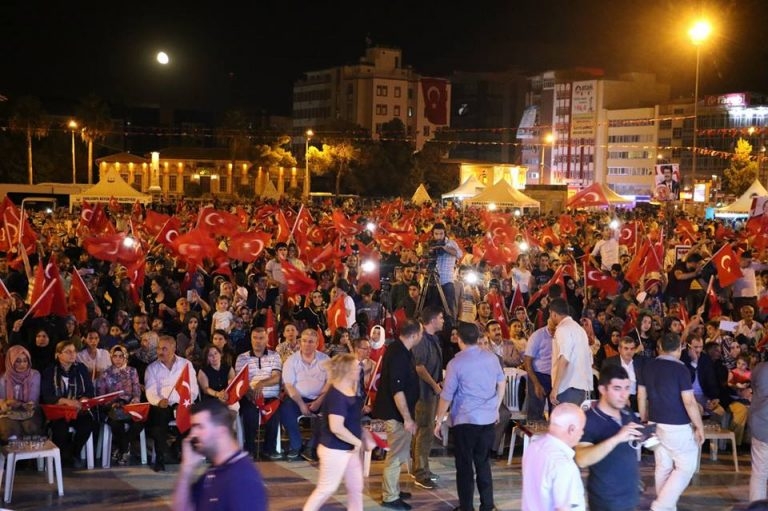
[
  {"x": 699, "y": 32},
  {"x": 307, "y": 186},
  {"x": 370, "y": 226},
  {"x": 129, "y": 242},
  {"x": 368, "y": 266},
  {"x": 162, "y": 58},
  {"x": 72, "y": 125},
  {"x": 549, "y": 138}
]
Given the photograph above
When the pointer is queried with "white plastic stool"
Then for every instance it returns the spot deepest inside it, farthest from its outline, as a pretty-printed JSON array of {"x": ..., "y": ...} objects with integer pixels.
[
  {"x": 106, "y": 446},
  {"x": 49, "y": 452}
]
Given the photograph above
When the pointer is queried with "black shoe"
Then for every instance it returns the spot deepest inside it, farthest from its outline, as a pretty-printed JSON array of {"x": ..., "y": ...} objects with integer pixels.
[
  {"x": 425, "y": 483},
  {"x": 310, "y": 455},
  {"x": 158, "y": 467},
  {"x": 293, "y": 454},
  {"x": 396, "y": 504},
  {"x": 274, "y": 456},
  {"x": 78, "y": 463},
  {"x": 405, "y": 495}
]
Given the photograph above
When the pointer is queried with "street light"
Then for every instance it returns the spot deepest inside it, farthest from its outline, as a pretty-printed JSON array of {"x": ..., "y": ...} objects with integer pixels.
[
  {"x": 307, "y": 136},
  {"x": 698, "y": 33},
  {"x": 73, "y": 127},
  {"x": 549, "y": 138}
]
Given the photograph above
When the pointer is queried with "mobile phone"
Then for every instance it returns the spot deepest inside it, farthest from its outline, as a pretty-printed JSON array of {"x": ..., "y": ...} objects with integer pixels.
[
  {"x": 647, "y": 431},
  {"x": 190, "y": 295}
]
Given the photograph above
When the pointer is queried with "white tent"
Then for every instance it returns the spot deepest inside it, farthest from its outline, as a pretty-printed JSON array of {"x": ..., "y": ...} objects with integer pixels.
[
  {"x": 504, "y": 195},
  {"x": 111, "y": 186},
  {"x": 469, "y": 188},
  {"x": 420, "y": 196},
  {"x": 270, "y": 192},
  {"x": 742, "y": 205}
]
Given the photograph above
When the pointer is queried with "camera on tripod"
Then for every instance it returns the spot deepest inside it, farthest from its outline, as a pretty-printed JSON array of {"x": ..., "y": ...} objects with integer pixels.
[{"x": 436, "y": 249}]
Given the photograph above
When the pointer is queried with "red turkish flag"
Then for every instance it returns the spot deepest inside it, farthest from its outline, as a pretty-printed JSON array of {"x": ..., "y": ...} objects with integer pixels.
[
  {"x": 113, "y": 205},
  {"x": 184, "y": 389},
  {"x": 248, "y": 246},
  {"x": 320, "y": 339},
  {"x": 271, "y": 328},
  {"x": 496, "y": 301},
  {"x": 139, "y": 412},
  {"x": 169, "y": 232},
  {"x": 628, "y": 234},
  {"x": 154, "y": 221},
  {"x": 549, "y": 236},
  {"x": 435, "y": 95},
  {"x": 727, "y": 263},
  {"x": 337, "y": 315},
  {"x": 297, "y": 282},
  {"x": 57, "y": 412},
  {"x": 136, "y": 209},
  {"x": 596, "y": 278},
  {"x": 400, "y": 318},
  {"x": 239, "y": 386},
  {"x": 344, "y": 226},
  {"x": 283, "y": 232},
  {"x": 715, "y": 310},
  {"x": 100, "y": 222},
  {"x": 567, "y": 225},
  {"x": 117, "y": 248},
  {"x": 48, "y": 295},
  {"x": 266, "y": 410},
  {"x": 194, "y": 246},
  {"x": 218, "y": 222},
  {"x": 517, "y": 299},
  {"x": 86, "y": 214},
  {"x": 319, "y": 258},
  {"x": 135, "y": 273},
  {"x": 499, "y": 254},
  {"x": 79, "y": 298}
]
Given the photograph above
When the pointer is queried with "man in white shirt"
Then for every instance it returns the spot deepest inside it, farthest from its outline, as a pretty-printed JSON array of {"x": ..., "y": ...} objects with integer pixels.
[
  {"x": 572, "y": 378},
  {"x": 551, "y": 478},
  {"x": 608, "y": 250},
  {"x": 306, "y": 383},
  {"x": 159, "y": 382}
]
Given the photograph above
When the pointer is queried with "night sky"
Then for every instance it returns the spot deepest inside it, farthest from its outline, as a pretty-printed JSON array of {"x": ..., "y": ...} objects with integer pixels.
[{"x": 249, "y": 53}]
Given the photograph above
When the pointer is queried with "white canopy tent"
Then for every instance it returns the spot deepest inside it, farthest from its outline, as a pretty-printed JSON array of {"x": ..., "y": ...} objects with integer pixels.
[
  {"x": 111, "y": 186},
  {"x": 469, "y": 188},
  {"x": 503, "y": 194},
  {"x": 741, "y": 206}
]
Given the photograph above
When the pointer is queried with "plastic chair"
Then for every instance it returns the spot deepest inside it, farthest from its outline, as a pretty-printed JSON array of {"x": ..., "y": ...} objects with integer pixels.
[
  {"x": 105, "y": 446},
  {"x": 87, "y": 453},
  {"x": 514, "y": 377}
]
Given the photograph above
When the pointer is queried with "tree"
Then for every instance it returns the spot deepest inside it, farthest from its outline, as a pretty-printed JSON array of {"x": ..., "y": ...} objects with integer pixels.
[
  {"x": 334, "y": 158},
  {"x": 94, "y": 114},
  {"x": 742, "y": 171},
  {"x": 28, "y": 116}
]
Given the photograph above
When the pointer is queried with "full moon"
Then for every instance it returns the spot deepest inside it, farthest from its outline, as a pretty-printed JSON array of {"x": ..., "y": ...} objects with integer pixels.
[{"x": 162, "y": 57}]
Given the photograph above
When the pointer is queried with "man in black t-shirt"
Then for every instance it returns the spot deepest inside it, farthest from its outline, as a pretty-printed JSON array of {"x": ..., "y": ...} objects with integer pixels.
[
  {"x": 665, "y": 396},
  {"x": 395, "y": 404}
]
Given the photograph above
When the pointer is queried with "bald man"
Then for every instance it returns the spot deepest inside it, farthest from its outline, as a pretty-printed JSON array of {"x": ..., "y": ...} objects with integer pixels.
[{"x": 551, "y": 478}]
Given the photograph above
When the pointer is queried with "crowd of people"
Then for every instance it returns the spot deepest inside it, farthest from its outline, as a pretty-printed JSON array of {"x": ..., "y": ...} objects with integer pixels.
[{"x": 389, "y": 312}]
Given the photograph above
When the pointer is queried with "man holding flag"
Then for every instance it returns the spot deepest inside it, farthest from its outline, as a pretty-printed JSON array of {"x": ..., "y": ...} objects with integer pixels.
[
  {"x": 264, "y": 372},
  {"x": 169, "y": 385}
]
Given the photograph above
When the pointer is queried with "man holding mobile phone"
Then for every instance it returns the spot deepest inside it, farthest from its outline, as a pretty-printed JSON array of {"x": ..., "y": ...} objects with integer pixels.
[{"x": 605, "y": 447}]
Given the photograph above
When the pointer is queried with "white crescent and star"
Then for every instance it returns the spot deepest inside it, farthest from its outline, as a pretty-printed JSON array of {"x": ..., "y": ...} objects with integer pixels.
[{"x": 723, "y": 260}]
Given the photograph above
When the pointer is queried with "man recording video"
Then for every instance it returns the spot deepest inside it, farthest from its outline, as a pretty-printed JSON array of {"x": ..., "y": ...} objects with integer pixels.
[{"x": 442, "y": 256}]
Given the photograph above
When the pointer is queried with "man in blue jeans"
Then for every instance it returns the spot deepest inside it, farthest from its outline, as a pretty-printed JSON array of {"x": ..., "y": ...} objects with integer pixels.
[
  {"x": 306, "y": 382},
  {"x": 473, "y": 389}
]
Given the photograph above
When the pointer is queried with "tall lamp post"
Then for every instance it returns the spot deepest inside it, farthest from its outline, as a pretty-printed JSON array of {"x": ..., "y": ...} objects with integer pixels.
[
  {"x": 307, "y": 136},
  {"x": 549, "y": 138},
  {"x": 73, "y": 127},
  {"x": 698, "y": 33}
]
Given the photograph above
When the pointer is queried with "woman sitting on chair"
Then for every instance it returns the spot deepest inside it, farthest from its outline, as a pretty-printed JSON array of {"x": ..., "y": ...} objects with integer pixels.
[
  {"x": 19, "y": 395},
  {"x": 66, "y": 383},
  {"x": 121, "y": 376}
]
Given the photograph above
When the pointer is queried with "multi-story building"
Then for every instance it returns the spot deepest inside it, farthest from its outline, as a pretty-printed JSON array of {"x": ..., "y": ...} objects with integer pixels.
[
  {"x": 371, "y": 93},
  {"x": 566, "y": 127},
  {"x": 723, "y": 119},
  {"x": 485, "y": 110}
]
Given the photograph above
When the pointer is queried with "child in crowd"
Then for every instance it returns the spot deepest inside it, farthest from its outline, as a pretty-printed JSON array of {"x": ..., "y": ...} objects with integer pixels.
[
  {"x": 740, "y": 379},
  {"x": 222, "y": 319}
]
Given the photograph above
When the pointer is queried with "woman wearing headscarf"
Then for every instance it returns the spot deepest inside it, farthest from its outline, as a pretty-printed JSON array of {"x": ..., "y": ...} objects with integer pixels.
[
  {"x": 19, "y": 395},
  {"x": 41, "y": 348},
  {"x": 121, "y": 376},
  {"x": 66, "y": 383}
]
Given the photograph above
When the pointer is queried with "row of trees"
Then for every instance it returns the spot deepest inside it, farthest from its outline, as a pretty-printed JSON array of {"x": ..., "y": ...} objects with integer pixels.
[
  {"x": 343, "y": 157},
  {"x": 29, "y": 118}
]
